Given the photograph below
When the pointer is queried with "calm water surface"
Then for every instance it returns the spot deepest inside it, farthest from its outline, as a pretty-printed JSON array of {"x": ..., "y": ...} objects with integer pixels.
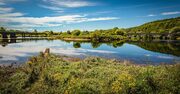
[{"x": 18, "y": 51}]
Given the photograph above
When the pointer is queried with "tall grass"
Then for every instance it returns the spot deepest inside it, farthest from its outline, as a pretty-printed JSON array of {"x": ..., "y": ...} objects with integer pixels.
[{"x": 56, "y": 75}]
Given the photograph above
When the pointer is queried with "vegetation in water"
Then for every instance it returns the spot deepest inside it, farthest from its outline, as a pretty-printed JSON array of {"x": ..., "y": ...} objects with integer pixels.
[{"x": 52, "y": 74}]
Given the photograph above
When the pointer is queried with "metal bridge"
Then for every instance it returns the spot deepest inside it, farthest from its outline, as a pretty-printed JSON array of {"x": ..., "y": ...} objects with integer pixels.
[
  {"x": 154, "y": 35},
  {"x": 21, "y": 34}
]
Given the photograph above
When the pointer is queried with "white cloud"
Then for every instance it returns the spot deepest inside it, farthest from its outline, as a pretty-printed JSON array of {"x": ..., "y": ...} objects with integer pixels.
[
  {"x": 49, "y": 21},
  {"x": 16, "y": 14},
  {"x": 102, "y": 19},
  {"x": 5, "y": 1},
  {"x": 70, "y": 3},
  {"x": 2, "y": 3},
  {"x": 151, "y": 15},
  {"x": 34, "y": 25},
  {"x": 51, "y": 7},
  {"x": 54, "y": 8},
  {"x": 43, "y": 20},
  {"x": 8, "y": 12},
  {"x": 170, "y": 13},
  {"x": 60, "y": 6},
  {"x": 5, "y": 10}
]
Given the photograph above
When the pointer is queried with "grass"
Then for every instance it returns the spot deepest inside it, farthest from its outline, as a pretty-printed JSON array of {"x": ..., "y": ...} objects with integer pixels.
[{"x": 58, "y": 75}]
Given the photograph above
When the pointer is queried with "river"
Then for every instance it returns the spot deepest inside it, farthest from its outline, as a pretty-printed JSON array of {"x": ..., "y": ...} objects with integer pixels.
[{"x": 157, "y": 52}]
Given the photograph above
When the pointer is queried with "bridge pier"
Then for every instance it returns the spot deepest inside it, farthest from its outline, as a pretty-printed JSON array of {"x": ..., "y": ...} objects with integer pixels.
[
  {"x": 23, "y": 35},
  {"x": 12, "y": 35},
  {"x": 12, "y": 40},
  {"x": 4, "y": 35}
]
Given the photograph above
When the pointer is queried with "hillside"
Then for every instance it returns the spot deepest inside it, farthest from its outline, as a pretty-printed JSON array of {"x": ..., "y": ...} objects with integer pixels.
[{"x": 158, "y": 26}]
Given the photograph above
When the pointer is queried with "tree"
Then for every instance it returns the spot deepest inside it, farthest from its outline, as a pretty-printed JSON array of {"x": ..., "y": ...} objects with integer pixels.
[
  {"x": 68, "y": 32},
  {"x": 85, "y": 33},
  {"x": 115, "y": 28},
  {"x": 76, "y": 32},
  {"x": 51, "y": 32},
  {"x": 2, "y": 29},
  {"x": 95, "y": 36},
  {"x": 12, "y": 30},
  {"x": 119, "y": 32},
  {"x": 35, "y": 31}
]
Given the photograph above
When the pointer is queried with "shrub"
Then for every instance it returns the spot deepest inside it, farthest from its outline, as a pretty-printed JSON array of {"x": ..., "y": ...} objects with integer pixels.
[{"x": 93, "y": 75}]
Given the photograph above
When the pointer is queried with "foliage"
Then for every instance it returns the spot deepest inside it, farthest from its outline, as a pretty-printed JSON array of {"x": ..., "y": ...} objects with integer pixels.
[
  {"x": 162, "y": 47},
  {"x": 35, "y": 31},
  {"x": 76, "y": 45},
  {"x": 175, "y": 30},
  {"x": 93, "y": 75},
  {"x": 136, "y": 33},
  {"x": 76, "y": 32},
  {"x": 2, "y": 29},
  {"x": 160, "y": 26}
]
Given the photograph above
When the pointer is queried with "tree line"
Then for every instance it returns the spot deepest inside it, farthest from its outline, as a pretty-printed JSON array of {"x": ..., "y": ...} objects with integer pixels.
[{"x": 168, "y": 26}]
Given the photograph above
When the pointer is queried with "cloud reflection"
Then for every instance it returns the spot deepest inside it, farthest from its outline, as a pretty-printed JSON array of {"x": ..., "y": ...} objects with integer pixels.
[{"x": 14, "y": 51}]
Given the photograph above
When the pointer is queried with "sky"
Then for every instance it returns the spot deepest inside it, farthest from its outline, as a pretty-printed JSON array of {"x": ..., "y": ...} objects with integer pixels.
[{"x": 63, "y": 15}]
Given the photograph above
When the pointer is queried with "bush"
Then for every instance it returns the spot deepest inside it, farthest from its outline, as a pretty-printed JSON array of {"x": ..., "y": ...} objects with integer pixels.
[
  {"x": 55, "y": 74},
  {"x": 175, "y": 30}
]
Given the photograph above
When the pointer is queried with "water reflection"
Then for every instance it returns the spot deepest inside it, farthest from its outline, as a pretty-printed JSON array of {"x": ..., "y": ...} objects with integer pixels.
[
  {"x": 139, "y": 52},
  {"x": 6, "y": 42},
  {"x": 77, "y": 45},
  {"x": 114, "y": 44},
  {"x": 171, "y": 47},
  {"x": 167, "y": 47}
]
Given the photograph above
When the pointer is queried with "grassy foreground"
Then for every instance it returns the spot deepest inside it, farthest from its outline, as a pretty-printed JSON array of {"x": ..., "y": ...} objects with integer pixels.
[{"x": 59, "y": 75}]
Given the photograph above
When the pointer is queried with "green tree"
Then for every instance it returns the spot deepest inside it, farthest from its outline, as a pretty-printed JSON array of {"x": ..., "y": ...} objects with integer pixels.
[
  {"x": 35, "y": 31},
  {"x": 115, "y": 28},
  {"x": 119, "y": 32},
  {"x": 68, "y": 32},
  {"x": 51, "y": 32},
  {"x": 2, "y": 29},
  {"x": 76, "y": 32},
  {"x": 95, "y": 36}
]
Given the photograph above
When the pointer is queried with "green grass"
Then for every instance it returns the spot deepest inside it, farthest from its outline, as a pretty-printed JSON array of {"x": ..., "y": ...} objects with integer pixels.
[{"x": 63, "y": 75}]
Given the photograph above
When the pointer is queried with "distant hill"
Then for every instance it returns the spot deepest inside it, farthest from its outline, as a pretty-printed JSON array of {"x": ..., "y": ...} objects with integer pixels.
[{"x": 158, "y": 26}]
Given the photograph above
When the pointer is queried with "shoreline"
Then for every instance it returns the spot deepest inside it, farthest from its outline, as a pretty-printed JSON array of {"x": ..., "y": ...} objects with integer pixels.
[
  {"x": 76, "y": 39},
  {"x": 81, "y": 58},
  {"x": 56, "y": 74}
]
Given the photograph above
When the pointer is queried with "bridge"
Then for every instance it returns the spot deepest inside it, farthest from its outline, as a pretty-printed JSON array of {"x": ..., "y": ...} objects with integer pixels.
[
  {"x": 154, "y": 35},
  {"x": 12, "y": 35}
]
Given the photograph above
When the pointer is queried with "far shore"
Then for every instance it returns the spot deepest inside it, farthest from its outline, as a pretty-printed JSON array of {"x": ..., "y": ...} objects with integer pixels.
[{"x": 76, "y": 39}]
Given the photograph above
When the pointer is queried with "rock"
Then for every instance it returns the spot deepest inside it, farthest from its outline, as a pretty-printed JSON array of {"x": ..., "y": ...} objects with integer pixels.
[{"x": 46, "y": 52}]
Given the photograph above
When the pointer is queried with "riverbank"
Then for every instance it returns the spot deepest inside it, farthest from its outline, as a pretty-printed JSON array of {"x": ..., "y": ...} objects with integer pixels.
[
  {"x": 49, "y": 73},
  {"x": 76, "y": 39}
]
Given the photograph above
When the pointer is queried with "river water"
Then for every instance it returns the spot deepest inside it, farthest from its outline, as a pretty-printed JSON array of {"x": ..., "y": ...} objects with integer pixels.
[{"x": 18, "y": 51}]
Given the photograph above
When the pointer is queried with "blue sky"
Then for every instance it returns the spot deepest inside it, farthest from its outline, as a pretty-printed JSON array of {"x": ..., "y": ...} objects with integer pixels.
[{"x": 62, "y": 15}]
